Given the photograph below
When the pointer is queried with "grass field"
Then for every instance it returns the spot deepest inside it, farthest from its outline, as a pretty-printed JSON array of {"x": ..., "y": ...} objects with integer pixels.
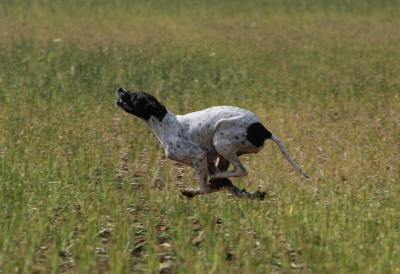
[{"x": 85, "y": 188}]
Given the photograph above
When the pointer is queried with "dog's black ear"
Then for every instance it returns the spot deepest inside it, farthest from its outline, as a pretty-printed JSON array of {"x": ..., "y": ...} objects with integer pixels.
[{"x": 156, "y": 109}]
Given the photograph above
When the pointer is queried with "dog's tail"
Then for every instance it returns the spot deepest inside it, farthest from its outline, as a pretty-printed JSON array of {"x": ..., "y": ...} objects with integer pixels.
[{"x": 287, "y": 156}]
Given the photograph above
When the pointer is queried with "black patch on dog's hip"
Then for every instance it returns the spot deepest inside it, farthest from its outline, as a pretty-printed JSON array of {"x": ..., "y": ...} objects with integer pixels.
[{"x": 257, "y": 133}]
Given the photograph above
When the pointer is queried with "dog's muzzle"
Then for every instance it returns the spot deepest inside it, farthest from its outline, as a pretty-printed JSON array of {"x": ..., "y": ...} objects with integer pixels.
[{"x": 119, "y": 102}]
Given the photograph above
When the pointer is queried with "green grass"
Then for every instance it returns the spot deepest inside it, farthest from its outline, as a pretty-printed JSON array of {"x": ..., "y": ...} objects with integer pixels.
[{"x": 85, "y": 188}]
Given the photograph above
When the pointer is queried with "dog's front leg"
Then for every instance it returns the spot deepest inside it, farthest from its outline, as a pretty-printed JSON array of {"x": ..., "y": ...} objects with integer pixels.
[{"x": 200, "y": 167}]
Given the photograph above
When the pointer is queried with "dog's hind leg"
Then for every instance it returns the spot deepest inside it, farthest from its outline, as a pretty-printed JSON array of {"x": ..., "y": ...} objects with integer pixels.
[
  {"x": 225, "y": 183},
  {"x": 221, "y": 183},
  {"x": 238, "y": 169},
  {"x": 215, "y": 184}
]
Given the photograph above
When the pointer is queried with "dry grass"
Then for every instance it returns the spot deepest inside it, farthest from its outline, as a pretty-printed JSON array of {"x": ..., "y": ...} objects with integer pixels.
[{"x": 85, "y": 188}]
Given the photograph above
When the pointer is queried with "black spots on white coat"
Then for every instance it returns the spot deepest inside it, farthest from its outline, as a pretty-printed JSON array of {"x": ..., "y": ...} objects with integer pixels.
[{"x": 257, "y": 134}]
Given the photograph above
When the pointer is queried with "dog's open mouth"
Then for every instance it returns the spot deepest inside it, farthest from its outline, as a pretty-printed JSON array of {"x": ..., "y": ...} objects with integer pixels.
[{"x": 119, "y": 102}]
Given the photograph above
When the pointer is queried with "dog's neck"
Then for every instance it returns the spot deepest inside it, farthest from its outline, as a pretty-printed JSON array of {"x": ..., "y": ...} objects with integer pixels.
[{"x": 165, "y": 128}]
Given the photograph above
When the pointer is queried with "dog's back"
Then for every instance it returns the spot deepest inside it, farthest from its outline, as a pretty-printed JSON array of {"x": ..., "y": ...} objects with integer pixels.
[{"x": 201, "y": 126}]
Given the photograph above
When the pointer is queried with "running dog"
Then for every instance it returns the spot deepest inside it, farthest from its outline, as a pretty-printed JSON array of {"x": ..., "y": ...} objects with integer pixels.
[{"x": 208, "y": 140}]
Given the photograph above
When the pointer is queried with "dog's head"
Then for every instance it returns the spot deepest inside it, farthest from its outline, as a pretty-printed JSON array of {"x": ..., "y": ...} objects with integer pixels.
[{"x": 140, "y": 104}]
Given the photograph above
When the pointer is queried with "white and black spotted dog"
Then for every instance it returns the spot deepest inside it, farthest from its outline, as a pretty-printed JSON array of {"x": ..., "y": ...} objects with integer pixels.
[{"x": 208, "y": 140}]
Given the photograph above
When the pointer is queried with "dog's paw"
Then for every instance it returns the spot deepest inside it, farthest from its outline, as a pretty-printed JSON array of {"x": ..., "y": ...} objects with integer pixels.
[
  {"x": 190, "y": 193},
  {"x": 260, "y": 195}
]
